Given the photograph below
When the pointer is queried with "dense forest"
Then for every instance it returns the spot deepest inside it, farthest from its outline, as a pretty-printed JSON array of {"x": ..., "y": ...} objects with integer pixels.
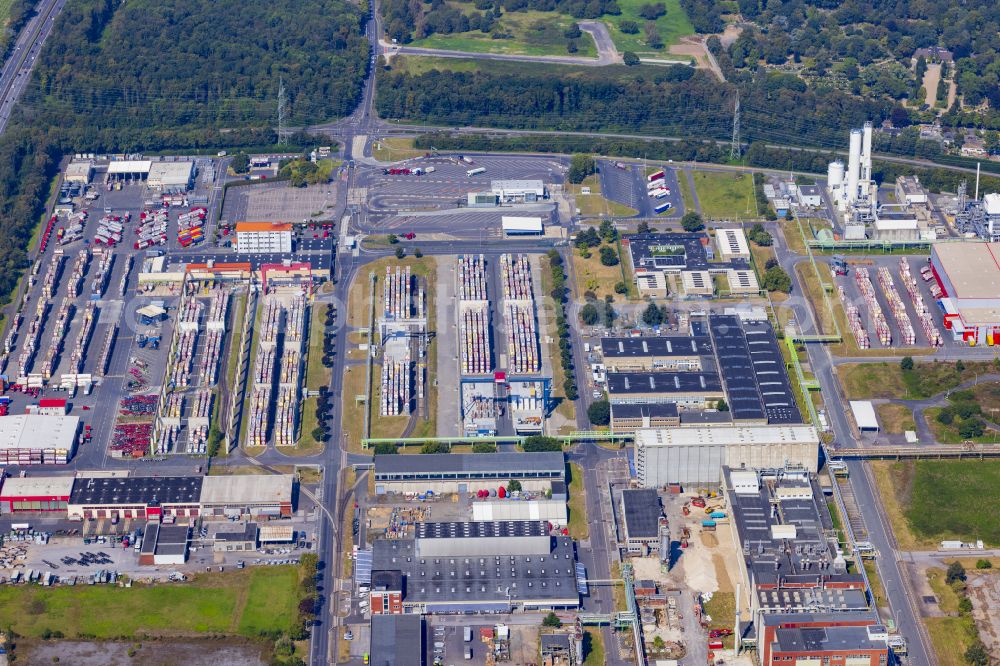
[
  {"x": 674, "y": 100},
  {"x": 407, "y": 20},
  {"x": 170, "y": 74},
  {"x": 867, "y": 47}
]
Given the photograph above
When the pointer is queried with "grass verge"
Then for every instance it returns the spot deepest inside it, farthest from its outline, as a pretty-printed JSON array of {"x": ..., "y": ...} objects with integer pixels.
[
  {"x": 531, "y": 33},
  {"x": 579, "y": 528},
  {"x": 673, "y": 25},
  {"x": 591, "y": 275},
  {"x": 394, "y": 149},
  {"x": 593, "y": 648},
  {"x": 594, "y": 204},
  {"x": 895, "y": 419},
  {"x": 564, "y": 408},
  {"x": 722, "y": 609},
  {"x": 862, "y": 381}
]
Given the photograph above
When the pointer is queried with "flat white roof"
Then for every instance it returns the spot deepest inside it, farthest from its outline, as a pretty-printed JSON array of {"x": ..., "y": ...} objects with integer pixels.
[
  {"x": 895, "y": 225},
  {"x": 732, "y": 242},
  {"x": 79, "y": 168},
  {"x": 523, "y": 224},
  {"x": 864, "y": 414},
  {"x": 246, "y": 489},
  {"x": 742, "y": 281},
  {"x": 130, "y": 166},
  {"x": 972, "y": 268},
  {"x": 34, "y": 431},
  {"x": 724, "y": 435},
  {"x": 536, "y": 186},
  {"x": 991, "y": 202},
  {"x": 37, "y": 486},
  {"x": 171, "y": 173},
  {"x": 695, "y": 280}
]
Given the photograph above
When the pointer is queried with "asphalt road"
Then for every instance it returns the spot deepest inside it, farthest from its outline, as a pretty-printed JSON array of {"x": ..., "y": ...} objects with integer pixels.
[{"x": 17, "y": 69}]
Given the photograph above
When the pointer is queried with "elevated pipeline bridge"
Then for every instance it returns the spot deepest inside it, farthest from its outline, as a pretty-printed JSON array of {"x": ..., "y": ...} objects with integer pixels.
[
  {"x": 934, "y": 452},
  {"x": 568, "y": 439}
]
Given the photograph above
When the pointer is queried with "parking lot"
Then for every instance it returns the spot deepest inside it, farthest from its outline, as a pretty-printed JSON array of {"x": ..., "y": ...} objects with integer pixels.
[
  {"x": 436, "y": 202},
  {"x": 628, "y": 186}
]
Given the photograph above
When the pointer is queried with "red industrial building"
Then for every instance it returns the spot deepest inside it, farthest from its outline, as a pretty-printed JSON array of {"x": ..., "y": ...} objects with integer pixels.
[
  {"x": 46, "y": 493},
  {"x": 48, "y": 407},
  {"x": 386, "y": 595},
  {"x": 835, "y": 639}
]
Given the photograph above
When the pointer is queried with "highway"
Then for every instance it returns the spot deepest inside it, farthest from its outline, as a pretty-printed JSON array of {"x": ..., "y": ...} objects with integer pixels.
[{"x": 16, "y": 70}]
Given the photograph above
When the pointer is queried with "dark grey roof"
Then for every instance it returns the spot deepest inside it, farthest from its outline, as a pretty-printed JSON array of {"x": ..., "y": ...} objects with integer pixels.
[
  {"x": 663, "y": 382},
  {"x": 674, "y": 345},
  {"x": 809, "y": 190},
  {"x": 397, "y": 640},
  {"x": 173, "y": 534},
  {"x": 655, "y": 251},
  {"x": 248, "y": 533},
  {"x": 642, "y": 513},
  {"x": 390, "y": 580},
  {"x": 171, "y": 548},
  {"x": 819, "y": 639},
  {"x": 484, "y": 529},
  {"x": 481, "y": 580},
  {"x": 129, "y": 490},
  {"x": 662, "y": 410},
  {"x": 555, "y": 644},
  {"x": 695, "y": 417},
  {"x": 471, "y": 465},
  {"x": 753, "y": 369}
]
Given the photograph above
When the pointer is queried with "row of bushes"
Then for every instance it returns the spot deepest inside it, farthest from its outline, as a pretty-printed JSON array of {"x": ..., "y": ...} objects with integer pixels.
[{"x": 559, "y": 292}]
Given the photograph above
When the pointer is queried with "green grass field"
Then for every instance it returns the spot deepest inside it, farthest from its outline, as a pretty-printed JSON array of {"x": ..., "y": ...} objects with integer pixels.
[
  {"x": 889, "y": 380},
  {"x": 672, "y": 27},
  {"x": 724, "y": 195},
  {"x": 593, "y": 648},
  {"x": 948, "y": 499},
  {"x": 239, "y": 602},
  {"x": 532, "y": 33},
  {"x": 578, "y": 526},
  {"x": 594, "y": 204}
]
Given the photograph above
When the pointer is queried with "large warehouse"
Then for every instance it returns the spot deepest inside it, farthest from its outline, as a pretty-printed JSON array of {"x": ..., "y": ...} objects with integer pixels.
[
  {"x": 969, "y": 276},
  {"x": 697, "y": 454},
  {"x": 235, "y": 496},
  {"x": 550, "y": 510},
  {"x": 471, "y": 568},
  {"x": 689, "y": 389},
  {"x": 263, "y": 237},
  {"x": 150, "y": 497},
  {"x": 32, "y": 439},
  {"x": 171, "y": 176},
  {"x": 647, "y": 353},
  {"x": 462, "y": 473},
  {"x": 40, "y": 493}
]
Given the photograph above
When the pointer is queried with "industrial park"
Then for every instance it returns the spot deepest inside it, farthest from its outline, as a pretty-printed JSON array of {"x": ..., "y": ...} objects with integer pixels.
[{"x": 405, "y": 386}]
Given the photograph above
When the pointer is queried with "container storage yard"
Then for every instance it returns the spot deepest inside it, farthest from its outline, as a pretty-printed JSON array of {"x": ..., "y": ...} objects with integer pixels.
[
  {"x": 474, "y": 316},
  {"x": 520, "y": 319},
  {"x": 402, "y": 328},
  {"x": 277, "y": 371}
]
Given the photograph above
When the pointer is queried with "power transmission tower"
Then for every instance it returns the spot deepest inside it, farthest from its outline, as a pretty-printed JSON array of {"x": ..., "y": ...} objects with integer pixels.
[
  {"x": 734, "y": 149},
  {"x": 281, "y": 110}
]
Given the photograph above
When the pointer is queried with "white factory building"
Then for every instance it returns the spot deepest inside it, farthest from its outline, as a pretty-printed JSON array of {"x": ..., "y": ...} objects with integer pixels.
[
  {"x": 28, "y": 439},
  {"x": 512, "y": 191},
  {"x": 171, "y": 176},
  {"x": 697, "y": 454},
  {"x": 732, "y": 244},
  {"x": 551, "y": 510},
  {"x": 80, "y": 171},
  {"x": 522, "y": 226},
  {"x": 968, "y": 274},
  {"x": 263, "y": 237}
]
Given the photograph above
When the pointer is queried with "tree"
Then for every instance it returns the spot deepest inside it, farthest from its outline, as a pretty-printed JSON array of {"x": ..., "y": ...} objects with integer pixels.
[
  {"x": 580, "y": 166},
  {"x": 608, "y": 256},
  {"x": 906, "y": 363},
  {"x": 692, "y": 222},
  {"x": 588, "y": 238},
  {"x": 484, "y": 447},
  {"x": 652, "y": 11},
  {"x": 571, "y": 46},
  {"x": 608, "y": 232},
  {"x": 514, "y": 486},
  {"x": 770, "y": 263},
  {"x": 629, "y": 58},
  {"x": 240, "y": 163},
  {"x": 589, "y": 314},
  {"x": 417, "y": 253},
  {"x": 621, "y": 288},
  {"x": 318, "y": 433},
  {"x": 945, "y": 417},
  {"x": 659, "y": 644},
  {"x": 760, "y": 236},
  {"x": 653, "y": 38},
  {"x": 537, "y": 443},
  {"x": 955, "y": 572},
  {"x": 552, "y": 620},
  {"x": 776, "y": 279},
  {"x": 643, "y": 228},
  {"x": 434, "y": 447},
  {"x": 971, "y": 429},
  {"x": 214, "y": 442},
  {"x": 959, "y": 366},
  {"x": 722, "y": 405},
  {"x": 984, "y": 564},
  {"x": 599, "y": 412},
  {"x": 652, "y": 315},
  {"x": 628, "y": 27},
  {"x": 392, "y": 238},
  {"x": 400, "y": 252},
  {"x": 385, "y": 448},
  {"x": 964, "y": 605},
  {"x": 977, "y": 655},
  {"x": 573, "y": 31}
]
